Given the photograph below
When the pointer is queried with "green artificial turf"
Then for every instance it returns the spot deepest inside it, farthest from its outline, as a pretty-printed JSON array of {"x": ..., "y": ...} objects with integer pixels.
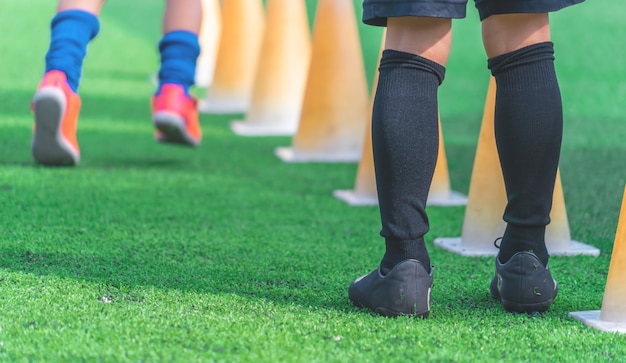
[{"x": 146, "y": 252}]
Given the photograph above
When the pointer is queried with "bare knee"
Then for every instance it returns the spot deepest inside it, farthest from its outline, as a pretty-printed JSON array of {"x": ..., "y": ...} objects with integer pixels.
[
  {"x": 430, "y": 38},
  {"x": 508, "y": 32},
  {"x": 91, "y": 6}
]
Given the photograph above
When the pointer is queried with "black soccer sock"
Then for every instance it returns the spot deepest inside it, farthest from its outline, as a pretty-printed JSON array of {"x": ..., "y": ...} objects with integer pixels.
[
  {"x": 405, "y": 140},
  {"x": 398, "y": 251},
  {"x": 528, "y": 131}
]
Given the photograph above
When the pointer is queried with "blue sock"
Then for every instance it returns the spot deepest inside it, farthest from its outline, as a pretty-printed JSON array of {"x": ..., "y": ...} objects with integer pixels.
[
  {"x": 179, "y": 52},
  {"x": 71, "y": 32}
]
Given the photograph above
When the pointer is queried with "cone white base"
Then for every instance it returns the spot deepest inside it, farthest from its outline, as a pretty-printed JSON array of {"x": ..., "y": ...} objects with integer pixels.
[
  {"x": 451, "y": 199},
  {"x": 290, "y": 155},
  {"x": 352, "y": 197},
  {"x": 355, "y": 198},
  {"x": 592, "y": 319},
  {"x": 222, "y": 106},
  {"x": 454, "y": 245},
  {"x": 244, "y": 128},
  {"x": 204, "y": 78}
]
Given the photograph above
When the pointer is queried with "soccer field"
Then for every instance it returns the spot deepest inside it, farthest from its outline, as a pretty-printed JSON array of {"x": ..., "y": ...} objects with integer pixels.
[{"x": 150, "y": 253}]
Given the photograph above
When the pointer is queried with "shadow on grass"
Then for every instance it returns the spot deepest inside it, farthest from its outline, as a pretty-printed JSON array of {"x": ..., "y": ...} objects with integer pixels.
[
  {"x": 191, "y": 220},
  {"x": 120, "y": 275},
  {"x": 121, "y": 279}
]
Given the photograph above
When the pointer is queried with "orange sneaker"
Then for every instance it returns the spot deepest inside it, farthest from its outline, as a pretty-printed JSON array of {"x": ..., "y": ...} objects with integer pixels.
[
  {"x": 175, "y": 116},
  {"x": 56, "y": 108}
]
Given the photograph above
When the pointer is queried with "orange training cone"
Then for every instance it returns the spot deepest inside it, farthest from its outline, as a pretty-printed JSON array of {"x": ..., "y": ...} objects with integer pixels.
[
  {"x": 364, "y": 192},
  {"x": 281, "y": 75},
  {"x": 487, "y": 199},
  {"x": 209, "y": 38},
  {"x": 238, "y": 52},
  {"x": 440, "y": 193},
  {"x": 335, "y": 105},
  {"x": 612, "y": 316}
]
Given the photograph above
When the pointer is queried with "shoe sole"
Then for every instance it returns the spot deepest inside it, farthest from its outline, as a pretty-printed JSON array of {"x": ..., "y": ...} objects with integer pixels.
[
  {"x": 392, "y": 313},
  {"x": 172, "y": 128},
  {"x": 525, "y": 308},
  {"x": 49, "y": 147},
  {"x": 389, "y": 313}
]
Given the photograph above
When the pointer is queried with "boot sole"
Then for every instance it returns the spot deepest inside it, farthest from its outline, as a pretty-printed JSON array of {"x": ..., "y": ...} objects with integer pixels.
[
  {"x": 172, "y": 128},
  {"x": 49, "y": 147}
]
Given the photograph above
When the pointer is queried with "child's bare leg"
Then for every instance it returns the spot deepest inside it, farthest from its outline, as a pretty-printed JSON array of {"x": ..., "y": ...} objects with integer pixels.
[
  {"x": 182, "y": 15},
  {"x": 174, "y": 112},
  {"x": 179, "y": 47},
  {"x": 90, "y": 6}
]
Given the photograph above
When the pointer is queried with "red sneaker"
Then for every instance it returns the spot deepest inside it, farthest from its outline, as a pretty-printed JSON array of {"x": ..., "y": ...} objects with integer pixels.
[
  {"x": 56, "y": 108},
  {"x": 175, "y": 116}
]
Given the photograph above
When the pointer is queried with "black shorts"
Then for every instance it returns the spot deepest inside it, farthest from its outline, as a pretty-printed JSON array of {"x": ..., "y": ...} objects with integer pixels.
[{"x": 376, "y": 12}]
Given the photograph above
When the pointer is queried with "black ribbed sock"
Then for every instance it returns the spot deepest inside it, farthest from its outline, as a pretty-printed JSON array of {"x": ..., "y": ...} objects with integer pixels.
[
  {"x": 398, "y": 251},
  {"x": 528, "y": 130},
  {"x": 405, "y": 140}
]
